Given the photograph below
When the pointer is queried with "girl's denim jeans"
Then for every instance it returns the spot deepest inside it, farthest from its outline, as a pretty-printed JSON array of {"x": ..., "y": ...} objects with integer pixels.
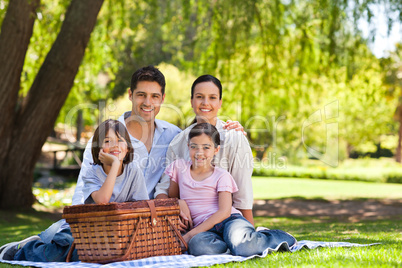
[
  {"x": 239, "y": 236},
  {"x": 53, "y": 246}
]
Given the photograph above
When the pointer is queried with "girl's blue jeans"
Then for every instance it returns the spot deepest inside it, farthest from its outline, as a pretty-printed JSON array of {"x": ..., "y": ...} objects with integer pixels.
[
  {"x": 53, "y": 246},
  {"x": 239, "y": 236}
]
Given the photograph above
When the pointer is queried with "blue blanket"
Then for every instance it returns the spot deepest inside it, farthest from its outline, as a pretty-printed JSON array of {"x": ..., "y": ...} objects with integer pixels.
[{"x": 189, "y": 260}]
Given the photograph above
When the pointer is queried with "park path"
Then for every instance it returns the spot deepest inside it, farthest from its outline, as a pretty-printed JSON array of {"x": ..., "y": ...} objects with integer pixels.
[
  {"x": 319, "y": 210},
  {"x": 344, "y": 210}
]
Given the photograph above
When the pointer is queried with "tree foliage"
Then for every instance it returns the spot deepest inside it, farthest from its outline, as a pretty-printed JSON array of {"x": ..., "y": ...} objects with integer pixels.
[
  {"x": 279, "y": 61},
  {"x": 291, "y": 69}
]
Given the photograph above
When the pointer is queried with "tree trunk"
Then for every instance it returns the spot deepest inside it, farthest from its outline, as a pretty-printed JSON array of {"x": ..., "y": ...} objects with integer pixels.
[
  {"x": 16, "y": 31},
  {"x": 32, "y": 121}
]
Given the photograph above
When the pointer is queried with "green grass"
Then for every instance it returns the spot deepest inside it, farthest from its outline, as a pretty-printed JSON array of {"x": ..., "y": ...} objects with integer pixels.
[
  {"x": 273, "y": 188},
  {"x": 388, "y": 254},
  {"x": 386, "y": 232},
  {"x": 372, "y": 170},
  {"x": 16, "y": 225}
]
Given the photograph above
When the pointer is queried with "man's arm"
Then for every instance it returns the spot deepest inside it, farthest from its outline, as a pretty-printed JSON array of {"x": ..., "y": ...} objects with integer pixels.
[
  {"x": 162, "y": 188},
  {"x": 248, "y": 214},
  {"x": 78, "y": 197}
]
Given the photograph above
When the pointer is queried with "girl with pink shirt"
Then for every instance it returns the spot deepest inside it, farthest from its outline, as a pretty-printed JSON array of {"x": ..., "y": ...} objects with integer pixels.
[{"x": 207, "y": 190}]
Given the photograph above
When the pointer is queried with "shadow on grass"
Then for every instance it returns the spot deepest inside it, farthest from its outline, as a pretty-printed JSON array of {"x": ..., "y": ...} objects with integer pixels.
[
  {"x": 319, "y": 198},
  {"x": 19, "y": 224},
  {"x": 321, "y": 210}
]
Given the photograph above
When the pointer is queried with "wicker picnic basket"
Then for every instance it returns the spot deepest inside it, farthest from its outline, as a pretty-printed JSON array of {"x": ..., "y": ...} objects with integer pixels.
[{"x": 113, "y": 232}]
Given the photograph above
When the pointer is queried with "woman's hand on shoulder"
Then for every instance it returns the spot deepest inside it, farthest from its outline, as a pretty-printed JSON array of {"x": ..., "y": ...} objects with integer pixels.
[{"x": 228, "y": 125}]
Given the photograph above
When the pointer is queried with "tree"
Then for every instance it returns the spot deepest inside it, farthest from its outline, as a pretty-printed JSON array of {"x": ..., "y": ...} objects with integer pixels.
[
  {"x": 393, "y": 80},
  {"x": 26, "y": 122}
]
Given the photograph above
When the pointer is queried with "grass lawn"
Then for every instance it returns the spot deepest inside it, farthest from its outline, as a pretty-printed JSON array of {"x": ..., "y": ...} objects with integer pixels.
[
  {"x": 18, "y": 225},
  {"x": 388, "y": 254}
]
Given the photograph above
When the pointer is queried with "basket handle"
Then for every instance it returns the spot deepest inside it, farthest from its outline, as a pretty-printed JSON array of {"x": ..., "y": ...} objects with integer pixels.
[
  {"x": 151, "y": 204},
  {"x": 124, "y": 257},
  {"x": 70, "y": 252},
  {"x": 178, "y": 235}
]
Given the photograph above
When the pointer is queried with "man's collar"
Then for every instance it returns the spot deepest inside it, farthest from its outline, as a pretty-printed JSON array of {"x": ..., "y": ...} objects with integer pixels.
[{"x": 160, "y": 125}]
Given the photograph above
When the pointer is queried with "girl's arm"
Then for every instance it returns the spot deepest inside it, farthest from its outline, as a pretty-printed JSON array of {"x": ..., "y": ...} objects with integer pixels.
[
  {"x": 174, "y": 189},
  {"x": 186, "y": 221},
  {"x": 225, "y": 208},
  {"x": 104, "y": 194}
]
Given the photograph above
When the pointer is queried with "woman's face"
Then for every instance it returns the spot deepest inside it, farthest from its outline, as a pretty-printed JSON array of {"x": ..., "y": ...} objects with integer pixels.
[{"x": 206, "y": 102}]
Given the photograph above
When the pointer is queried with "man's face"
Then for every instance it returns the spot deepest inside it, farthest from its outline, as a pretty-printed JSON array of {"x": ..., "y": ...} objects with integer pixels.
[{"x": 146, "y": 100}]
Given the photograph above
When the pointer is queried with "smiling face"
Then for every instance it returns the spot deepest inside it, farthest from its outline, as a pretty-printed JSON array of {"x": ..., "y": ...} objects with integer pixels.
[
  {"x": 202, "y": 151},
  {"x": 206, "y": 102},
  {"x": 146, "y": 100},
  {"x": 115, "y": 145}
]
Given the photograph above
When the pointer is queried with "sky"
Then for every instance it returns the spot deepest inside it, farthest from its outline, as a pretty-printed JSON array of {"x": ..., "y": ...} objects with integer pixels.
[{"x": 383, "y": 42}]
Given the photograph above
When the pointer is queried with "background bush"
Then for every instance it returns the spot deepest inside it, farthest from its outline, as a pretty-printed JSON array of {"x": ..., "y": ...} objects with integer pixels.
[{"x": 371, "y": 170}]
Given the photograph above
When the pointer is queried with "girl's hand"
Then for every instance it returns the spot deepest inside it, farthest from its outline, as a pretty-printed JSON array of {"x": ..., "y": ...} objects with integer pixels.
[
  {"x": 234, "y": 125},
  {"x": 187, "y": 237},
  {"x": 186, "y": 223},
  {"x": 107, "y": 159}
]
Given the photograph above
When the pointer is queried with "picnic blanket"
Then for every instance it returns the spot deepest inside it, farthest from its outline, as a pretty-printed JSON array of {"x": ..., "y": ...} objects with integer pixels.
[{"x": 185, "y": 260}]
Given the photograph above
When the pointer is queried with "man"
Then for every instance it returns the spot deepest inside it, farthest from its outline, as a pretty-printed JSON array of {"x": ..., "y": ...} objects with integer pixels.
[{"x": 150, "y": 137}]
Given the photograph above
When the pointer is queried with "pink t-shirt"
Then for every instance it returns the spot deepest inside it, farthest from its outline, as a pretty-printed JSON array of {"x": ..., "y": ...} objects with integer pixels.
[{"x": 201, "y": 196}]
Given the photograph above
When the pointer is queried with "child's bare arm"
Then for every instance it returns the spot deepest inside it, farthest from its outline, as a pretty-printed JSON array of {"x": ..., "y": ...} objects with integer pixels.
[
  {"x": 174, "y": 189},
  {"x": 104, "y": 194},
  {"x": 185, "y": 216},
  {"x": 225, "y": 208}
]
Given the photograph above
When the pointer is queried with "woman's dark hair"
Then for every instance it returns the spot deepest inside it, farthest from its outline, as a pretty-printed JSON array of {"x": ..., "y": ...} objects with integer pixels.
[
  {"x": 207, "y": 129},
  {"x": 100, "y": 134},
  {"x": 207, "y": 78}
]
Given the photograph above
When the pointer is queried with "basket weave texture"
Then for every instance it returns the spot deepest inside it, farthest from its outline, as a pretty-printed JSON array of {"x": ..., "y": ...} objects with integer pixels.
[{"x": 113, "y": 232}]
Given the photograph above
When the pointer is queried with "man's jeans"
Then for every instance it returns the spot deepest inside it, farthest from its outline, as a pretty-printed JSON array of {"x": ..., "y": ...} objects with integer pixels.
[
  {"x": 239, "y": 236},
  {"x": 53, "y": 247}
]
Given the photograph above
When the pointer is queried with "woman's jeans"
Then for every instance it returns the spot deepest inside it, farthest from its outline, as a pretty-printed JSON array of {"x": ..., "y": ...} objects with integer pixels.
[
  {"x": 53, "y": 246},
  {"x": 239, "y": 236}
]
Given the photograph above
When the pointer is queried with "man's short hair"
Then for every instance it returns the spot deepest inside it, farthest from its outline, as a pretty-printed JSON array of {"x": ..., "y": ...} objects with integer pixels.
[{"x": 148, "y": 73}]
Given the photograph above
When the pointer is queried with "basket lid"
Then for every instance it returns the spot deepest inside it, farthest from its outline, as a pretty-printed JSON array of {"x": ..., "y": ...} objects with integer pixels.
[{"x": 113, "y": 206}]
